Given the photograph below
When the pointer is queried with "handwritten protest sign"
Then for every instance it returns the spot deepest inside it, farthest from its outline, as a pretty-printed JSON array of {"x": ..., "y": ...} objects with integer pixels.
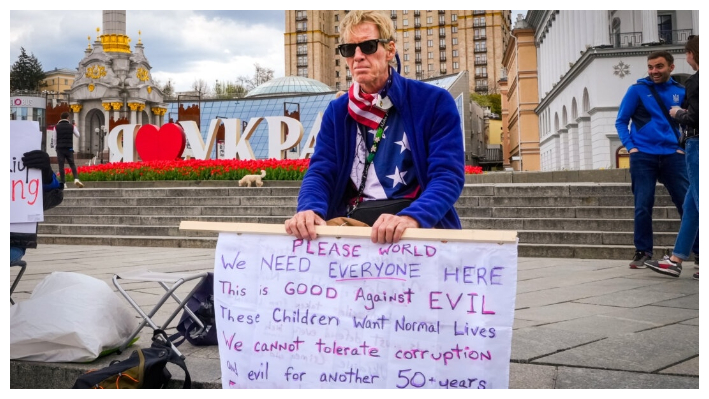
[
  {"x": 25, "y": 183},
  {"x": 342, "y": 312}
]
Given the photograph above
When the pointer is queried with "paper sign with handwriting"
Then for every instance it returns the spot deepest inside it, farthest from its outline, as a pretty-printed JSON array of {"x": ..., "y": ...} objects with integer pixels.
[
  {"x": 347, "y": 313},
  {"x": 25, "y": 183}
]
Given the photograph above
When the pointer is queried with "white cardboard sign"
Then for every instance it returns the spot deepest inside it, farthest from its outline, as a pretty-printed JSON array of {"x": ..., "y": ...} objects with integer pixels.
[
  {"x": 25, "y": 184},
  {"x": 347, "y": 313}
]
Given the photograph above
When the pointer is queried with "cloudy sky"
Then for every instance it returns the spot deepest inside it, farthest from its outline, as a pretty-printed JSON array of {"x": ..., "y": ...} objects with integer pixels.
[{"x": 180, "y": 45}]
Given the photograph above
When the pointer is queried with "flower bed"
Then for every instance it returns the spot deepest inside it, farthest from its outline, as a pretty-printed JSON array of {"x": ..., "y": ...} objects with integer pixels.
[{"x": 212, "y": 169}]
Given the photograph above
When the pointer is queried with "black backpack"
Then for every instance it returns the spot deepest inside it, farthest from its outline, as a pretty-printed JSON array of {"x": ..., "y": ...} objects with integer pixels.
[
  {"x": 145, "y": 368},
  {"x": 201, "y": 303}
]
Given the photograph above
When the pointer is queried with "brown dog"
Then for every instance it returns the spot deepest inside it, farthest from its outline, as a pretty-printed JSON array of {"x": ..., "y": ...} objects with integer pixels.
[{"x": 256, "y": 179}]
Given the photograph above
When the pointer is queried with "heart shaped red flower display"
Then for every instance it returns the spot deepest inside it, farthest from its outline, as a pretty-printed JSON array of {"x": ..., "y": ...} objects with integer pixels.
[{"x": 164, "y": 144}]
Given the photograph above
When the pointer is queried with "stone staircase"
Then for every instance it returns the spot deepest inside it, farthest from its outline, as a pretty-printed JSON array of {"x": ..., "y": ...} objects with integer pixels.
[{"x": 591, "y": 220}]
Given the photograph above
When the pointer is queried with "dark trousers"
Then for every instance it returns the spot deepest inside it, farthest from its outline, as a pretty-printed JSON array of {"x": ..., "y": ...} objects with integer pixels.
[{"x": 68, "y": 154}]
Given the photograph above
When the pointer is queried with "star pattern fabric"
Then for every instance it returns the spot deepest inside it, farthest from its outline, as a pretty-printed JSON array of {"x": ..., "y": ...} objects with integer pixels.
[{"x": 392, "y": 174}]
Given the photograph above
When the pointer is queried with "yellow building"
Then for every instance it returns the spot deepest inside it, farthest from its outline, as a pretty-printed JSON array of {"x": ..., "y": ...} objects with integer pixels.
[
  {"x": 58, "y": 80},
  {"x": 520, "y": 97},
  {"x": 430, "y": 43}
]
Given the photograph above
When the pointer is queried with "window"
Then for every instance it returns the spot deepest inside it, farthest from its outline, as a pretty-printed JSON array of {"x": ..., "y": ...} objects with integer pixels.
[
  {"x": 337, "y": 17},
  {"x": 455, "y": 53},
  {"x": 303, "y": 72},
  {"x": 303, "y": 60},
  {"x": 406, "y": 57},
  {"x": 441, "y": 19},
  {"x": 454, "y": 29},
  {"x": 301, "y": 38},
  {"x": 455, "y": 65},
  {"x": 429, "y": 31},
  {"x": 441, "y": 31},
  {"x": 406, "y": 22},
  {"x": 418, "y": 68},
  {"x": 300, "y": 14},
  {"x": 454, "y": 17},
  {"x": 406, "y": 69},
  {"x": 406, "y": 33},
  {"x": 301, "y": 26},
  {"x": 455, "y": 41},
  {"x": 337, "y": 74},
  {"x": 429, "y": 20},
  {"x": 430, "y": 67},
  {"x": 337, "y": 29},
  {"x": 430, "y": 43},
  {"x": 337, "y": 62},
  {"x": 405, "y": 12},
  {"x": 417, "y": 21},
  {"x": 430, "y": 55},
  {"x": 442, "y": 43},
  {"x": 443, "y": 66},
  {"x": 337, "y": 85}
]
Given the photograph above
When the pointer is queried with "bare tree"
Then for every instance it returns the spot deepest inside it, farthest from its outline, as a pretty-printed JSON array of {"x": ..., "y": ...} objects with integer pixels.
[
  {"x": 201, "y": 86},
  {"x": 261, "y": 76}
]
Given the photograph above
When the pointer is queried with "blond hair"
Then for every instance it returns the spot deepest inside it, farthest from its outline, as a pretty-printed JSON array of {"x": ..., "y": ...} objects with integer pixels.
[{"x": 353, "y": 18}]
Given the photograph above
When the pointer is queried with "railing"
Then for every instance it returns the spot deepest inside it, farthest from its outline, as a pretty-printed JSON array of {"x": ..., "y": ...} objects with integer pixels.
[
  {"x": 418, "y": 60},
  {"x": 482, "y": 62},
  {"x": 481, "y": 75},
  {"x": 479, "y": 24},
  {"x": 417, "y": 25},
  {"x": 627, "y": 39},
  {"x": 417, "y": 13},
  {"x": 441, "y": 21},
  {"x": 679, "y": 36},
  {"x": 302, "y": 64},
  {"x": 302, "y": 40},
  {"x": 301, "y": 18},
  {"x": 478, "y": 12},
  {"x": 481, "y": 49},
  {"x": 442, "y": 34},
  {"x": 393, "y": 15},
  {"x": 443, "y": 71},
  {"x": 442, "y": 46},
  {"x": 443, "y": 58},
  {"x": 302, "y": 52},
  {"x": 493, "y": 154},
  {"x": 301, "y": 29},
  {"x": 479, "y": 37},
  {"x": 481, "y": 89},
  {"x": 419, "y": 75},
  {"x": 417, "y": 37}
]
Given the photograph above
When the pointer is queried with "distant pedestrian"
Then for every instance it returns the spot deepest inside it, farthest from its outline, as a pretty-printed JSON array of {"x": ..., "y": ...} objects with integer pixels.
[
  {"x": 688, "y": 116},
  {"x": 653, "y": 144},
  {"x": 63, "y": 132}
]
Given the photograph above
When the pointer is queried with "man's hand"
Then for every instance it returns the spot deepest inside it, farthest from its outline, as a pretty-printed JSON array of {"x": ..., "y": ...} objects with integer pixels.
[
  {"x": 39, "y": 159},
  {"x": 302, "y": 225},
  {"x": 633, "y": 150},
  {"x": 674, "y": 110},
  {"x": 390, "y": 228}
]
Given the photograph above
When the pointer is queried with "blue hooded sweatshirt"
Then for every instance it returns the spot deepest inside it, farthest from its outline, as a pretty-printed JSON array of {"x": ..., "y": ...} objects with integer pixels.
[{"x": 650, "y": 131}]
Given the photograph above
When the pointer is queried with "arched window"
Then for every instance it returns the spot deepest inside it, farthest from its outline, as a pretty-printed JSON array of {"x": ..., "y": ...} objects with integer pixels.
[
  {"x": 556, "y": 122},
  {"x": 586, "y": 102},
  {"x": 574, "y": 110},
  {"x": 564, "y": 119}
]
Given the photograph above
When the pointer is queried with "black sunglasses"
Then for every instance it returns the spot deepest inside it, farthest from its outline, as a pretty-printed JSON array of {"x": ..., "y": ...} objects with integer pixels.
[{"x": 367, "y": 47}]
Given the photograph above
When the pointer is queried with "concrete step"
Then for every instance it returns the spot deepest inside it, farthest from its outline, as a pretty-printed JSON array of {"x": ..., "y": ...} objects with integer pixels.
[{"x": 475, "y": 223}]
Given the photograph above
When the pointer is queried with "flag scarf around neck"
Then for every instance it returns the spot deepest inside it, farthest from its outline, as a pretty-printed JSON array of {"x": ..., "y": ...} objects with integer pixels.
[{"x": 363, "y": 107}]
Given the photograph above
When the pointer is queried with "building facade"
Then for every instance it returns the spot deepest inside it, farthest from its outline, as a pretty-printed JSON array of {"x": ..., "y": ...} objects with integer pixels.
[
  {"x": 586, "y": 62},
  {"x": 58, "y": 80},
  {"x": 519, "y": 95},
  {"x": 430, "y": 43}
]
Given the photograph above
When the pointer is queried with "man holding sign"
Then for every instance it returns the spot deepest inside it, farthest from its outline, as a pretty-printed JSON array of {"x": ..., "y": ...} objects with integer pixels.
[{"x": 412, "y": 127}]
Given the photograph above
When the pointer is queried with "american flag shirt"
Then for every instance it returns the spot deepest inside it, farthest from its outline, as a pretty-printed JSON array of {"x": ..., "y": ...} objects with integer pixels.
[{"x": 392, "y": 174}]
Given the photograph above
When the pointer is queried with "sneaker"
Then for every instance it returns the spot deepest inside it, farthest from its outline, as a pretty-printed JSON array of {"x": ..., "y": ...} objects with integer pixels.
[
  {"x": 695, "y": 276},
  {"x": 65, "y": 186},
  {"x": 77, "y": 183},
  {"x": 696, "y": 261},
  {"x": 639, "y": 260},
  {"x": 665, "y": 266}
]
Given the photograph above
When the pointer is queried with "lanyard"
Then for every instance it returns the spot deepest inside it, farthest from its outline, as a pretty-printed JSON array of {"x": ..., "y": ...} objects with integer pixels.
[{"x": 368, "y": 161}]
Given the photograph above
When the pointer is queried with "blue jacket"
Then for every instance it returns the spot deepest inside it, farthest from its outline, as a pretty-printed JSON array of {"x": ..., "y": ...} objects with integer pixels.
[
  {"x": 650, "y": 132},
  {"x": 432, "y": 125}
]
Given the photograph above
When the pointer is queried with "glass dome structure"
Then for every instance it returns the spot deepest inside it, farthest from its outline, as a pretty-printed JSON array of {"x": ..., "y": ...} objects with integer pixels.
[{"x": 289, "y": 85}]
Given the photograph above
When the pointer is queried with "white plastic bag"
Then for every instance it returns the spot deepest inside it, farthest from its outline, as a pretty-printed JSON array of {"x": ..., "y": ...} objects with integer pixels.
[{"x": 70, "y": 317}]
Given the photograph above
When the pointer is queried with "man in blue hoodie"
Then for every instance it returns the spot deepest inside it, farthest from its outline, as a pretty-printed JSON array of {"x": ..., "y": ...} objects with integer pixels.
[
  {"x": 653, "y": 144},
  {"x": 412, "y": 127}
]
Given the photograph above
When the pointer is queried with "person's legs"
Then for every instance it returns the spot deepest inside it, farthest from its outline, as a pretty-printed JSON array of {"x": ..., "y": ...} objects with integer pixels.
[
  {"x": 643, "y": 173},
  {"x": 688, "y": 229},
  {"x": 673, "y": 174},
  {"x": 60, "y": 163},
  {"x": 16, "y": 253},
  {"x": 70, "y": 159}
]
